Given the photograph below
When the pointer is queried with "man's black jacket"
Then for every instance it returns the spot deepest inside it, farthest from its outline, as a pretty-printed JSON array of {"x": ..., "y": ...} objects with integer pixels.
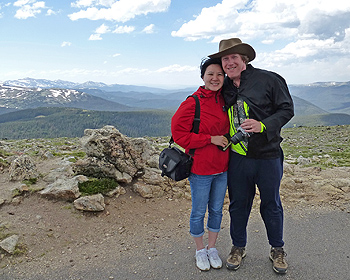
[{"x": 269, "y": 101}]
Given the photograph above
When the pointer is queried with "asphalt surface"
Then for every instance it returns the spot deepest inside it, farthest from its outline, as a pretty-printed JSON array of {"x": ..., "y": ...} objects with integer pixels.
[{"x": 317, "y": 244}]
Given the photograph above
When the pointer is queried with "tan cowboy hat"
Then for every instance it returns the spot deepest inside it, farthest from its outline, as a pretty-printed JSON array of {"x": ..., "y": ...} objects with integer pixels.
[{"x": 234, "y": 45}]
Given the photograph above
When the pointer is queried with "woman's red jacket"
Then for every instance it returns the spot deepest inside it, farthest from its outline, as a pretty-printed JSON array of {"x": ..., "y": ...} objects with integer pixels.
[{"x": 208, "y": 159}]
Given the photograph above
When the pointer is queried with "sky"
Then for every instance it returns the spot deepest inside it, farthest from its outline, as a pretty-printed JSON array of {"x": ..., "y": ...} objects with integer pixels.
[{"x": 162, "y": 42}]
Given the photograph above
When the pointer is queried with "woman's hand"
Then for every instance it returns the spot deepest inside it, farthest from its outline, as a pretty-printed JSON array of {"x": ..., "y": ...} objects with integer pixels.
[{"x": 219, "y": 140}]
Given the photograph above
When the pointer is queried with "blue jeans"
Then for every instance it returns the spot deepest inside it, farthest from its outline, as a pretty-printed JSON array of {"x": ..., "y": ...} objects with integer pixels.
[{"x": 207, "y": 191}]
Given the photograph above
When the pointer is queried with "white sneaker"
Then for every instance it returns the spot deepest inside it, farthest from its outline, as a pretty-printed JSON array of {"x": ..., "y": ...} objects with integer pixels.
[
  {"x": 202, "y": 261},
  {"x": 214, "y": 258}
]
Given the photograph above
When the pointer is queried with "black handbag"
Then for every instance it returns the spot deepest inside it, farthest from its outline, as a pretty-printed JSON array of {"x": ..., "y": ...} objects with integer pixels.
[{"x": 173, "y": 162}]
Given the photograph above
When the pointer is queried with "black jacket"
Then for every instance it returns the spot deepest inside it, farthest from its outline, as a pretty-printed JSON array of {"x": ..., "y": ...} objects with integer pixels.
[{"x": 269, "y": 101}]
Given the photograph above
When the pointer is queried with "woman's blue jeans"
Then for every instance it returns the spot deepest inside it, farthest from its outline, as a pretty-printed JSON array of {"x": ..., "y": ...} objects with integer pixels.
[{"x": 208, "y": 191}]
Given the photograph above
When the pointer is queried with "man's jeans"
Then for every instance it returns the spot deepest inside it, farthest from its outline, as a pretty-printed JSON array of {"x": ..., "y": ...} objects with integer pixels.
[
  {"x": 243, "y": 177},
  {"x": 207, "y": 191}
]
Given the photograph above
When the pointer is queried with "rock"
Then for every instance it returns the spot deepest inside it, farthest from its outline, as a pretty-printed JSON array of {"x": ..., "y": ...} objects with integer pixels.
[
  {"x": 288, "y": 168},
  {"x": 146, "y": 151},
  {"x": 116, "y": 192},
  {"x": 17, "y": 200},
  {"x": 64, "y": 189},
  {"x": 109, "y": 154},
  {"x": 330, "y": 189},
  {"x": 9, "y": 244},
  {"x": 98, "y": 168},
  {"x": 22, "y": 168},
  {"x": 303, "y": 161},
  {"x": 341, "y": 183},
  {"x": 147, "y": 191},
  {"x": 110, "y": 145},
  {"x": 153, "y": 176},
  {"x": 90, "y": 203}
]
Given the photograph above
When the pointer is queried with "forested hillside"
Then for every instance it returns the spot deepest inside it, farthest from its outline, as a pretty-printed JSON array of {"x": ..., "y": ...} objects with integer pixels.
[{"x": 70, "y": 122}]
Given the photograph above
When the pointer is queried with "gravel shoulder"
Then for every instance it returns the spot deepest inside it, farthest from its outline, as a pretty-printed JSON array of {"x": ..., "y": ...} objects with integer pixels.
[{"x": 135, "y": 238}]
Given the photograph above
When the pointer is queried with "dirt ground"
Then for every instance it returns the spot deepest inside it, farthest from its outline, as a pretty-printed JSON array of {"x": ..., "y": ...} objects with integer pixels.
[{"x": 54, "y": 235}]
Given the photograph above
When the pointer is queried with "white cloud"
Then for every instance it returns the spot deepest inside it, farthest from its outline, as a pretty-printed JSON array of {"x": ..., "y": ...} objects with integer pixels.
[
  {"x": 305, "y": 30},
  {"x": 177, "y": 68},
  {"x": 218, "y": 19},
  {"x": 82, "y": 3},
  {"x": 116, "y": 54},
  {"x": 95, "y": 37},
  {"x": 123, "y": 29},
  {"x": 268, "y": 20},
  {"x": 149, "y": 29},
  {"x": 102, "y": 29},
  {"x": 20, "y": 3},
  {"x": 66, "y": 44},
  {"x": 28, "y": 8},
  {"x": 121, "y": 11},
  {"x": 50, "y": 12}
]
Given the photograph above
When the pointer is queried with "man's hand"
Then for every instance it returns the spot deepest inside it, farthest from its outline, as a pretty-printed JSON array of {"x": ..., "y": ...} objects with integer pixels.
[{"x": 251, "y": 125}]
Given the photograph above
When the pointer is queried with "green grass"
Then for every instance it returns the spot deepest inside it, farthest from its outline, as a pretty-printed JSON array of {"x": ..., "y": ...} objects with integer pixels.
[
  {"x": 328, "y": 145},
  {"x": 95, "y": 186}
]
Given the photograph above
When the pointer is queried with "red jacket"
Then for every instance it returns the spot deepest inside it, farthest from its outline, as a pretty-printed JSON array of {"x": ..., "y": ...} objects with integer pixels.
[{"x": 207, "y": 159}]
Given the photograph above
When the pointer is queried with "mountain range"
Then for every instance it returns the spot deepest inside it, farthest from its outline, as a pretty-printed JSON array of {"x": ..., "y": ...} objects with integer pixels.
[
  {"x": 326, "y": 103},
  {"x": 332, "y": 97}
]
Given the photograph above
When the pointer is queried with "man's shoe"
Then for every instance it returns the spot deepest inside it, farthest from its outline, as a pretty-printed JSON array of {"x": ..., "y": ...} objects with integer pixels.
[
  {"x": 277, "y": 255},
  {"x": 214, "y": 258},
  {"x": 235, "y": 258},
  {"x": 202, "y": 260}
]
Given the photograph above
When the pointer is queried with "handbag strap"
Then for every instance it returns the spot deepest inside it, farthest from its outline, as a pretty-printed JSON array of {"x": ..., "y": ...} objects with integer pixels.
[{"x": 196, "y": 122}]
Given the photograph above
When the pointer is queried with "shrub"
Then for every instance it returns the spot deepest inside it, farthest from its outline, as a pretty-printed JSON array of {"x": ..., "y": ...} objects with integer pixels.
[{"x": 94, "y": 186}]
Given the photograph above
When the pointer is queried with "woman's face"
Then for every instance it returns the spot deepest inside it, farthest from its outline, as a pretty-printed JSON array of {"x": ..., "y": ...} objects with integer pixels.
[{"x": 213, "y": 77}]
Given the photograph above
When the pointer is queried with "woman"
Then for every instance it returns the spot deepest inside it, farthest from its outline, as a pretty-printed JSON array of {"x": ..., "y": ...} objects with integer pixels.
[{"x": 208, "y": 177}]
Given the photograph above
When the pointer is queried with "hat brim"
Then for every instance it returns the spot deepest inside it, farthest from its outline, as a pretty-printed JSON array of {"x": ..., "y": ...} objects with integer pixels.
[{"x": 244, "y": 49}]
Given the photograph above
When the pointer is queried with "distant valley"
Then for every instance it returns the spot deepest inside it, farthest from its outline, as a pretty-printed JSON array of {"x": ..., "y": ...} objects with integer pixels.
[{"x": 315, "y": 104}]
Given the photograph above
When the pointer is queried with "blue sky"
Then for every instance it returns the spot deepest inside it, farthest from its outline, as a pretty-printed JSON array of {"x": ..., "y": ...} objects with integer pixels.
[{"x": 161, "y": 42}]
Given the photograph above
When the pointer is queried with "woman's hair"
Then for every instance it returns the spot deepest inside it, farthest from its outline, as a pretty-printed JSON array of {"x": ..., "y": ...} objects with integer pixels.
[{"x": 208, "y": 61}]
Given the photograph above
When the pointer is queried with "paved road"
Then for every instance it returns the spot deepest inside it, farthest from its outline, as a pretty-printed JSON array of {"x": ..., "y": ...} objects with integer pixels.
[{"x": 317, "y": 244}]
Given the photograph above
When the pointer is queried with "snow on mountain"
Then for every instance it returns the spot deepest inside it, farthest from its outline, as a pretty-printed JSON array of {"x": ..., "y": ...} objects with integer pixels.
[
  {"x": 43, "y": 83},
  {"x": 18, "y": 97}
]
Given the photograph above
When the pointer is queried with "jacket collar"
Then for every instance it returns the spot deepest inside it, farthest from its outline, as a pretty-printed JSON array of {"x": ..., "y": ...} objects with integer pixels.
[{"x": 206, "y": 92}]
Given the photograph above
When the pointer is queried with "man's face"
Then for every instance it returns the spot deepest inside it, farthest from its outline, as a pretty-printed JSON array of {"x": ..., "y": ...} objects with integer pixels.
[{"x": 233, "y": 65}]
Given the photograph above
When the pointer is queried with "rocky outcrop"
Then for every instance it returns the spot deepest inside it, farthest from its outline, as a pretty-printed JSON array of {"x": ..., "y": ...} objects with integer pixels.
[
  {"x": 132, "y": 161},
  {"x": 109, "y": 154},
  {"x": 305, "y": 185},
  {"x": 23, "y": 168}
]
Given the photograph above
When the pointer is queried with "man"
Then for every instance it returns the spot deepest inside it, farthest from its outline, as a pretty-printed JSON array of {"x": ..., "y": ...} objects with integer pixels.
[{"x": 259, "y": 102}]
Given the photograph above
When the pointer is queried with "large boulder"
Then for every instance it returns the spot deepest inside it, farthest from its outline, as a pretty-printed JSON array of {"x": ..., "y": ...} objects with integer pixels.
[
  {"x": 127, "y": 160},
  {"x": 64, "y": 189},
  {"x": 109, "y": 154},
  {"x": 23, "y": 168},
  {"x": 91, "y": 203}
]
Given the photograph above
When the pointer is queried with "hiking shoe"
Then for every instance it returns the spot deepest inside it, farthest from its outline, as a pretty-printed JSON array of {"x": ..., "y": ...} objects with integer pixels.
[
  {"x": 202, "y": 260},
  {"x": 235, "y": 258},
  {"x": 277, "y": 255},
  {"x": 214, "y": 258}
]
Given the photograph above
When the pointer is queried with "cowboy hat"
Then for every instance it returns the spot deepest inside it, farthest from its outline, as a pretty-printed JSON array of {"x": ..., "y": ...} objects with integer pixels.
[{"x": 234, "y": 45}]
